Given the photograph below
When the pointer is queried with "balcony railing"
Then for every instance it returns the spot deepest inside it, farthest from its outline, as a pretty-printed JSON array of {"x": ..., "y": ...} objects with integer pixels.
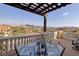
[
  {"x": 70, "y": 35},
  {"x": 7, "y": 44}
]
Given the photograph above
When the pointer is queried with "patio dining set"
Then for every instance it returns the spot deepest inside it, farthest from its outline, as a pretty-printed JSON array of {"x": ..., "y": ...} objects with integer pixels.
[{"x": 39, "y": 48}]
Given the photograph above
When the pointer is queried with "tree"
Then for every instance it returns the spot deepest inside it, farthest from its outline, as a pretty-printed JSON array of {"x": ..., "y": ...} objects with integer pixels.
[{"x": 18, "y": 30}]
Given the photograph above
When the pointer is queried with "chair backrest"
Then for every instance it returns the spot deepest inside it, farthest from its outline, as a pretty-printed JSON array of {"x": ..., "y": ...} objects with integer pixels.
[
  {"x": 18, "y": 48},
  {"x": 75, "y": 42},
  {"x": 60, "y": 49}
]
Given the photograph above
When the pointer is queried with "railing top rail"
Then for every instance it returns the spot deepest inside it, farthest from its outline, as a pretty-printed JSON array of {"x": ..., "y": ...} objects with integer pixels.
[{"x": 22, "y": 36}]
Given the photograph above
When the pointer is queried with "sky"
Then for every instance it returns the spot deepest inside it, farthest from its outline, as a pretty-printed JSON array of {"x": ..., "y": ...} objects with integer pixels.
[{"x": 67, "y": 16}]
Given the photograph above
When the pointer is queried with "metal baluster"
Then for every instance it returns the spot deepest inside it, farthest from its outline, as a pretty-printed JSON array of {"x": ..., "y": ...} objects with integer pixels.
[
  {"x": 27, "y": 41},
  {"x": 6, "y": 46},
  {"x": 23, "y": 41},
  {"x": 11, "y": 45},
  {"x": 16, "y": 41}
]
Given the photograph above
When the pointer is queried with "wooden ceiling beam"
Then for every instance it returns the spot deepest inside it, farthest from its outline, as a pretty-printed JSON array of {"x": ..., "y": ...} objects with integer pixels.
[
  {"x": 38, "y": 8},
  {"x": 18, "y": 5}
]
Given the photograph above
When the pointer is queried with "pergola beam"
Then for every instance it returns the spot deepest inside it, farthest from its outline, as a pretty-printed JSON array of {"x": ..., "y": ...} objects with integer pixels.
[
  {"x": 38, "y": 8},
  {"x": 19, "y": 6}
]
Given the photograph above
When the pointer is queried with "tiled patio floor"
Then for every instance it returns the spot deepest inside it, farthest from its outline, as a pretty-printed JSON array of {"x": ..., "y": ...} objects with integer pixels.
[{"x": 68, "y": 45}]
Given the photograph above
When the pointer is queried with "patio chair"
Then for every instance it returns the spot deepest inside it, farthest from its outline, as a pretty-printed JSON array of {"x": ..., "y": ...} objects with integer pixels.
[
  {"x": 56, "y": 51},
  {"x": 18, "y": 48},
  {"x": 25, "y": 50},
  {"x": 60, "y": 48},
  {"x": 75, "y": 43}
]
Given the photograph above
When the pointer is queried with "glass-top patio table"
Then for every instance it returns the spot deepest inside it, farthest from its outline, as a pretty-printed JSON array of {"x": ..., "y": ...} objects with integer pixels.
[{"x": 35, "y": 49}]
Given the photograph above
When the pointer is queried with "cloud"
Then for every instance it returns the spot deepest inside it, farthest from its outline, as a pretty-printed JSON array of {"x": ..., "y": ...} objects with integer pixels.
[
  {"x": 10, "y": 21},
  {"x": 66, "y": 13}
]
